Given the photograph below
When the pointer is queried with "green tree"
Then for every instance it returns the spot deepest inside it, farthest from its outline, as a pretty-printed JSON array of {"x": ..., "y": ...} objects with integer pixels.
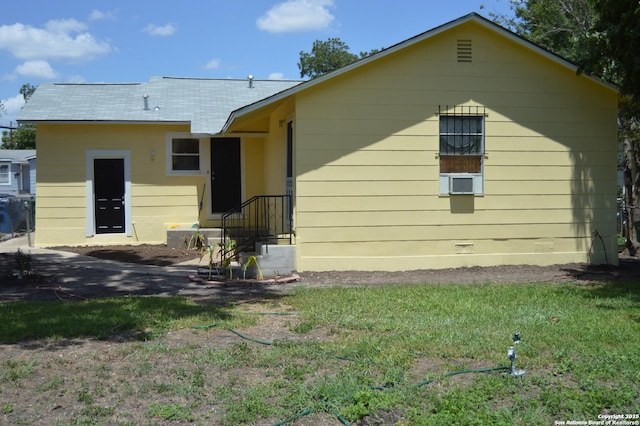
[
  {"x": 612, "y": 50},
  {"x": 27, "y": 90},
  {"x": 24, "y": 136},
  {"x": 561, "y": 26},
  {"x": 327, "y": 56},
  {"x": 603, "y": 38},
  {"x": 614, "y": 45}
]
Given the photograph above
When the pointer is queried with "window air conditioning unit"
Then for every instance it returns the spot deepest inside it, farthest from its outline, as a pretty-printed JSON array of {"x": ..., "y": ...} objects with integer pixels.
[{"x": 461, "y": 185}]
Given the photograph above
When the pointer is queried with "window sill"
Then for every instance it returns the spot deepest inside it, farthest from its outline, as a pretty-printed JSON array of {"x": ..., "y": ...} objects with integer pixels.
[
  {"x": 186, "y": 173},
  {"x": 459, "y": 195}
]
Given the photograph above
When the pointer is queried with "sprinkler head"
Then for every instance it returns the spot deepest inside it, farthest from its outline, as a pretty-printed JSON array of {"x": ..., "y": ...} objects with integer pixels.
[{"x": 511, "y": 353}]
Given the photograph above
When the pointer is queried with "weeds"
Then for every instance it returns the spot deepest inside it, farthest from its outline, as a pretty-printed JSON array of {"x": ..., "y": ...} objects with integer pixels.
[
  {"x": 14, "y": 370},
  {"x": 251, "y": 261},
  {"x": 23, "y": 263},
  {"x": 222, "y": 250},
  {"x": 52, "y": 384},
  {"x": 174, "y": 412}
]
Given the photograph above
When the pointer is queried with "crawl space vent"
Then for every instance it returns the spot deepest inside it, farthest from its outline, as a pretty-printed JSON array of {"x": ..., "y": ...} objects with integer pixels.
[{"x": 464, "y": 51}]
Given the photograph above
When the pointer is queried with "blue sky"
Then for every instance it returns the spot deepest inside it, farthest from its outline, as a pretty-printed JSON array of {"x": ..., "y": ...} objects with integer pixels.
[{"x": 130, "y": 41}]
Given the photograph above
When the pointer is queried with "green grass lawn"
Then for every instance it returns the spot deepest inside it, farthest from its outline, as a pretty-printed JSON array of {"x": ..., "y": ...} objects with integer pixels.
[{"x": 354, "y": 352}]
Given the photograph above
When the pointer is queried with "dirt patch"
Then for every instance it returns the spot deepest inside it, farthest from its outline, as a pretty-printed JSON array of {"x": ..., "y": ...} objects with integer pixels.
[
  {"x": 161, "y": 255},
  {"x": 53, "y": 276},
  {"x": 145, "y": 254}
]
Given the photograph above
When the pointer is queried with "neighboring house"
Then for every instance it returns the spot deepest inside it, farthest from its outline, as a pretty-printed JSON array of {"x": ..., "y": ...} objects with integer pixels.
[
  {"x": 465, "y": 145},
  {"x": 18, "y": 171}
]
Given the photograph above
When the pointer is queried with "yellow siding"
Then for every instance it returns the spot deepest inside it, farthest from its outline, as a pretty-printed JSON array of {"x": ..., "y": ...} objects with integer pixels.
[
  {"x": 477, "y": 223},
  {"x": 254, "y": 166},
  {"x": 368, "y": 169},
  {"x": 158, "y": 201},
  {"x": 275, "y": 166},
  {"x": 428, "y": 204}
]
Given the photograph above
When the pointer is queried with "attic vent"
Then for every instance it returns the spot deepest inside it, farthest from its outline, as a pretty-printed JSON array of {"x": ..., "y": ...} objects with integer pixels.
[{"x": 464, "y": 51}]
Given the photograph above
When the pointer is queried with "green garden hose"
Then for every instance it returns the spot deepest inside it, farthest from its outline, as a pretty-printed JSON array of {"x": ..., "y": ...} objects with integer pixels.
[
  {"x": 333, "y": 411},
  {"x": 455, "y": 373}
]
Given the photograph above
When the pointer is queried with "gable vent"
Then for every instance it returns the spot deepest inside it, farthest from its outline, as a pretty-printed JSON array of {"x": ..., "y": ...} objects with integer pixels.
[{"x": 464, "y": 51}]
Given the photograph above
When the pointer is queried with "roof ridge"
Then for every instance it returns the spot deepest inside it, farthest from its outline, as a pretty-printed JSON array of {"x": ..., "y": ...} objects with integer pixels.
[
  {"x": 226, "y": 79},
  {"x": 96, "y": 84}
]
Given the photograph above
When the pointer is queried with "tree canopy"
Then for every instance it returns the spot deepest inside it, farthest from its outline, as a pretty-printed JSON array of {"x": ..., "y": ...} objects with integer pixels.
[
  {"x": 27, "y": 90},
  {"x": 326, "y": 56},
  {"x": 561, "y": 26},
  {"x": 614, "y": 45},
  {"x": 601, "y": 36},
  {"x": 24, "y": 136}
]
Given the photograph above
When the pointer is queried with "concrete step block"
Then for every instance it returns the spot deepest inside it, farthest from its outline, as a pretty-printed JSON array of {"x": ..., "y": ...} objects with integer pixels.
[{"x": 179, "y": 238}]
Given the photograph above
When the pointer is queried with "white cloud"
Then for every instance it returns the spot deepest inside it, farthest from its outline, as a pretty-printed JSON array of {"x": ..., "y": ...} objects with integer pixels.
[
  {"x": 296, "y": 16},
  {"x": 57, "y": 40},
  {"x": 164, "y": 30},
  {"x": 276, "y": 76},
  {"x": 212, "y": 64},
  {"x": 12, "y": 107},
  {"x": 65, "y": 26},
  {"x": 37, "y": 69},
  {"x": 100, "y": 15}
]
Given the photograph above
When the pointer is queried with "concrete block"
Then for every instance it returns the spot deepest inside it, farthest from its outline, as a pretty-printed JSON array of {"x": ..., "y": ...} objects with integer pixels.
[
  {"x": 178, "y": 238},
  {"x": 276, "y": 260}
]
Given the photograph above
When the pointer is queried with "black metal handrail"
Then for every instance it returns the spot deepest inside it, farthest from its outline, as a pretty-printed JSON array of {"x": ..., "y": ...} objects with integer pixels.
[{"x": 263, "y": 218}]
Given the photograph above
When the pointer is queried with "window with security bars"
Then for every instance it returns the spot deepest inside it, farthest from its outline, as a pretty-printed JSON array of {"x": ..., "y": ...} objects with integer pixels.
[{"x": 461, "y": 141}]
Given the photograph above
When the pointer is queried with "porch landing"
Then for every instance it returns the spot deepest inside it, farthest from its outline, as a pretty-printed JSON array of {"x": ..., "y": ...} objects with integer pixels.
[{"x": 273, "y": 259}]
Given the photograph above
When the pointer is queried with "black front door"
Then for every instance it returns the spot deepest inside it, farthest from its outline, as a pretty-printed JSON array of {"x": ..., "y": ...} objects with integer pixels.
[
  {"x": 226, "y": 184},
  {"x": 108, "y": 192}
]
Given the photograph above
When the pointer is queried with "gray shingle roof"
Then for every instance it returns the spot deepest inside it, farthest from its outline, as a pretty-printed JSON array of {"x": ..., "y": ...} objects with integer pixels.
[
  {"x": 205, "y": 103},
  {"x": 17, "y": 155}
]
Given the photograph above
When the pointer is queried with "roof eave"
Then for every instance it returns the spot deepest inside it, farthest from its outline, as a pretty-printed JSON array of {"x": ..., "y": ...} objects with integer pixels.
[
  {"x": 162, "y": 122},
  {"x": 540, "y": 50}
]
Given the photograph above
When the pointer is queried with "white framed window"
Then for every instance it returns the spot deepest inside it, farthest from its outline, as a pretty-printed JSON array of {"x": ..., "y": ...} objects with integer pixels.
[
  {"x": 461, "y": 150},
  {"x": 5, "y": 173},
  {"x": 183, "y": 154}
]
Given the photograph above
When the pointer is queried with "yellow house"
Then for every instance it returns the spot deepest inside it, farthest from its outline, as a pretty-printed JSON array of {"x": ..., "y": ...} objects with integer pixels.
[{"x": 463, "y": 146}]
